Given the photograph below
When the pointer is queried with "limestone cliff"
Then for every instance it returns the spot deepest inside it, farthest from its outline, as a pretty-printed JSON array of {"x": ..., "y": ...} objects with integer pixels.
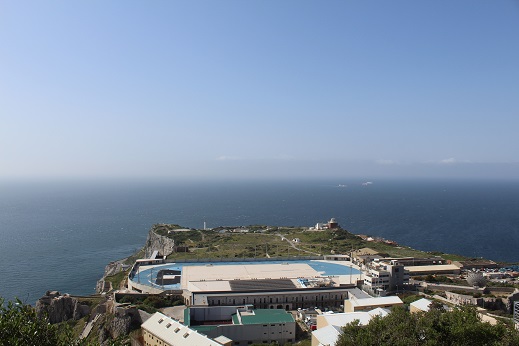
[
  {"x": 154, "y": 242},
  {"x": 157, "y": 242},
  {"x": 59, "y": 308}
]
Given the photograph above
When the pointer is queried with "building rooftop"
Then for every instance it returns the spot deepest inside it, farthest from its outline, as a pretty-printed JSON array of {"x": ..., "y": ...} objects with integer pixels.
[
  {"x": 175, "y": 333},
  {"x": 263, "y": 316},
  {"x": 222, "y": 339},
  {"x": 357, "y": 293},
  {"x": 327, "y": 335},
  {"x": 377, "y": 301},
  {"x": 431, "y": 268},
  {"x": 249, "y": 271},
  {"x": 422, "y": 304}
]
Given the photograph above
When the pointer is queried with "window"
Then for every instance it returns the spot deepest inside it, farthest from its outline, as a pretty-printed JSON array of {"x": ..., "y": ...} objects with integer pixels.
[
  {"x": 185, "y": 335},
  {"x": 161, "y": 320},
  {"x": 168, "y": 325},
  {"x": 176, "y": 330}
]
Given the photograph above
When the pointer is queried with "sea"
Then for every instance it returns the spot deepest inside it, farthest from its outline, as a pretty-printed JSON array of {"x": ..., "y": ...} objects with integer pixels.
[{"x": 59, "y": 235}]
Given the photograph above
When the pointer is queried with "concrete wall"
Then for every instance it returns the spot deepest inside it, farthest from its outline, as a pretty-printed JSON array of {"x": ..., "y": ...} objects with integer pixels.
[
  {"x": 134, "y": 286},
  {"x": 212, "y": 314},
  {"x": 256, "y": 333},
  {"x": 290, "y": 300}
]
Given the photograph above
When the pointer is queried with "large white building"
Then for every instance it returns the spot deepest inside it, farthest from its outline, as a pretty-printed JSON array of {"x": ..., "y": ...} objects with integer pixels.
[
  {"x": 386, "y": 276},
  {"x": 285, "y": 285}
]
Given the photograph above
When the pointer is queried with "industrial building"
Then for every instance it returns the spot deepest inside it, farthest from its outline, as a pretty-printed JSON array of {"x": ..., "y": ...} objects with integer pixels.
[
  {"x": 384, "y": 276},
  {"x": 243, "y": 325},
  {"x": 265, "y": 284}
]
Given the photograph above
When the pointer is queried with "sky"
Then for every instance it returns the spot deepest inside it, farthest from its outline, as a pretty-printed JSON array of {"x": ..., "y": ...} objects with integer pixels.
[{"x": 259, "y": 89}]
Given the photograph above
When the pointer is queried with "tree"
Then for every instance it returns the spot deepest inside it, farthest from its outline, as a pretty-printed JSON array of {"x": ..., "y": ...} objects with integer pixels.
[
  {"x": 19, "y": 325},
  {"x": 459, "y": 327}
]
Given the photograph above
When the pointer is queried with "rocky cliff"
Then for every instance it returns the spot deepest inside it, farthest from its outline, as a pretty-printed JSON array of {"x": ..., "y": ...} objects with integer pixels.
[
  {"x": 156, "y": 242},
  {"x": 59, "y": 308}
]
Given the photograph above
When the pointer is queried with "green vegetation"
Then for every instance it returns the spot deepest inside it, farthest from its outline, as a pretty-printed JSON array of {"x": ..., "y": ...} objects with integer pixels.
[
  {"x": 447, "y": 256},
  {"x": 117, "y": 279},
  {"x": 151, "y": 304},
  {"x": 20, "y": 325},
  {"x": 130, "y": 260},
  {"x": 259, "y": 240},
  {"x": 408, "y": 298},
  {"x": 461, "y": 326}
]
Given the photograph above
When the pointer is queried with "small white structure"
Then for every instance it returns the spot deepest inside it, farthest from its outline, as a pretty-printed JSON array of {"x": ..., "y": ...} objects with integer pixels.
[
  {"x": 329, "y": 325},
  {"x": 383, "y": 276},
  {"x": 420, "y": 305},
  {"x": 354, "y": 304}
]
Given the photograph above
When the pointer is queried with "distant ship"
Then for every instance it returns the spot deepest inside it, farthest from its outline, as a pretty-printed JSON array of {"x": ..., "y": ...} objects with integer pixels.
[
  {"x": 367, "y": 183},
  {"x": 342, "y": 185}
]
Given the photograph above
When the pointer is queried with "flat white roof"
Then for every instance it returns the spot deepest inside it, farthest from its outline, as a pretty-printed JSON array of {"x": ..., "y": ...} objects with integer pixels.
[
  {"x": 207, "y": 286},
  {"x": 222, "y": 339},
  {"x": 432, "y": 268},
  {"x": 342, "y": 319},
  {"x": 389, "y": 300},
  {"x": 246, "y": 272},
  {"x": 358, "y": 293}
]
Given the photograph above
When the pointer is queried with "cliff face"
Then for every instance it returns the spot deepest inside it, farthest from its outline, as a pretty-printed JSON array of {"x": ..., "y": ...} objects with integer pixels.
[
  {"x": 59, "y": 308},
  {"x": 111, "y": 269},
  {"x": 156, "y": 242}
]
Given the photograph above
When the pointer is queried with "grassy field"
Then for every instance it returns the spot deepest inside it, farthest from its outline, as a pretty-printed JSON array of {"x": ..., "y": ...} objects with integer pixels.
[{"x": 264, "y": 241}]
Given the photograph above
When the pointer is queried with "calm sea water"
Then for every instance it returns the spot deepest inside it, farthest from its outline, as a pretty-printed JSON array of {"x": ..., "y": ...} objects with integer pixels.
[{"x": 61, "y": 235}]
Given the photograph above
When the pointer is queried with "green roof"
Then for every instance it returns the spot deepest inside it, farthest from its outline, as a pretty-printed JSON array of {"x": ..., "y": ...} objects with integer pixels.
[
  {"x": 261, "y": 316},
  {"x": 187, "y": 317}
]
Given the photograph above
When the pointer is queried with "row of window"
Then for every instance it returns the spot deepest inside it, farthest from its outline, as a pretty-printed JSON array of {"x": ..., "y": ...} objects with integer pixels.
[{"x": 271, "y": 300}]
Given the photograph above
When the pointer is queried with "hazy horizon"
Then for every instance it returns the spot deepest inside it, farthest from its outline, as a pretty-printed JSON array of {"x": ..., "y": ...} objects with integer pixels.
[{"x": 259, "y": 90}]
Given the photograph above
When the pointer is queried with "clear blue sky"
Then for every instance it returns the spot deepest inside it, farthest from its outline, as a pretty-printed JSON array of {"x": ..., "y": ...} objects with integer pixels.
[{"x": 259, "y": 89}]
